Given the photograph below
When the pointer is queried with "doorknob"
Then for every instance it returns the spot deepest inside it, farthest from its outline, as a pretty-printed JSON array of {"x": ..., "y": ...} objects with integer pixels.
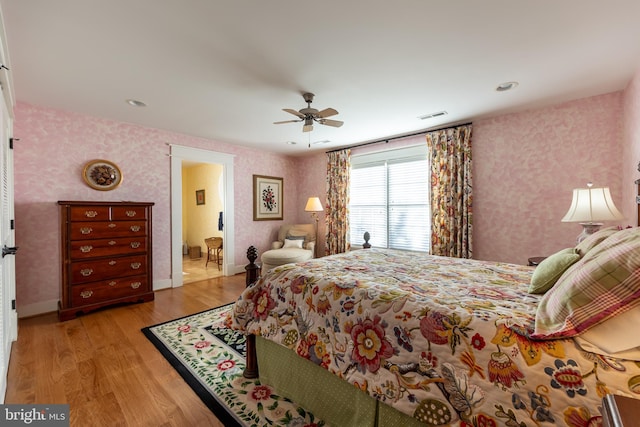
[{"x": 6, "y": 250}]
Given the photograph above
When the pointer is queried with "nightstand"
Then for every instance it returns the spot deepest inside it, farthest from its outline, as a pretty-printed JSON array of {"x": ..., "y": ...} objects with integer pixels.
[
  {"x": 620, "y": 411},
  {"x": 534, "y": 261}
]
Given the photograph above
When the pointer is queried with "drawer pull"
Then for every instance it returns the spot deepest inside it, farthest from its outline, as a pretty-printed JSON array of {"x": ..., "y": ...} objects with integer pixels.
[
  {"x": 112, "y": 262},
  {"x": 112, "y": 242},
  {"x": 136, "y": 265},
  {"x": 86, "y": 230},
  {"x": 130, "y": 214},
  {"x": 86, "y": 272},
  {"x": 112, "y": 225},
  {"x": 135, "y": 285},
  {"x": 90, "y": 214},
  {"x": 86, "y": 249},
  {"x": 112, "y": 283},
  {"x": 135, "y": 228},
  {"x": 86, "y": 294},
  {"x": 135, "y": 245}
]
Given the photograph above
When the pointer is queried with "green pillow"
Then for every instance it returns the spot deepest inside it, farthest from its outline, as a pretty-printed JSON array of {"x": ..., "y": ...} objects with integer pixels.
[{"x": 550, "y": 269}]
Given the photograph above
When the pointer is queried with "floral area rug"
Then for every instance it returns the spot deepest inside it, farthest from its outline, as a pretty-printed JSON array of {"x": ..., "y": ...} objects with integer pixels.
[{"x": 210, "y": 358}]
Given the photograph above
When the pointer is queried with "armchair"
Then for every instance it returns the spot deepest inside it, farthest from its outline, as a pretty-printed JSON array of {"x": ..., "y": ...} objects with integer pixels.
[{"x": 296, "y": 243}]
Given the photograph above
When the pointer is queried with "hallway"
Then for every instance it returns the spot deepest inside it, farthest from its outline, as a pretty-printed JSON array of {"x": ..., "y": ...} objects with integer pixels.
[{"x": 193, "y": 270}]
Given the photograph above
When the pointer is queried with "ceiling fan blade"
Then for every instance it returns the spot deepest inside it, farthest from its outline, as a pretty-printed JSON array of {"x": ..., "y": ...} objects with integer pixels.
[
  {"x": 287, "y": 121},
  {"x": 294, "y": 112},
  {"x": 307, "y": 128},
  {"x": 334, "y": 123},
  {"x": 327, "y": 112}
]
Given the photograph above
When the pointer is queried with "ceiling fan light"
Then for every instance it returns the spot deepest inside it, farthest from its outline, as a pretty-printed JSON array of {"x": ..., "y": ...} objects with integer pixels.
[{"x": 309, "y": 115}]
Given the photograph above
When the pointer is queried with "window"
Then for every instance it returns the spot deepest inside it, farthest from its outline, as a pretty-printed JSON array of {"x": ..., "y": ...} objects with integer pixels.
[{"x": 389, "y": 198}]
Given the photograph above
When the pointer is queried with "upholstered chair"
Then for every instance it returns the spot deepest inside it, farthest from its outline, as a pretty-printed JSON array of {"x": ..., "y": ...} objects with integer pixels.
[{"x": 296, "y": 243}]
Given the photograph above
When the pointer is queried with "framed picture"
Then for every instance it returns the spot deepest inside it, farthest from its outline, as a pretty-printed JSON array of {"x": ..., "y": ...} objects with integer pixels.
[
  {"x": 267, "y": 198},
  {"x": 199, "y": 197},
  {"x": 102, "y": 175}
]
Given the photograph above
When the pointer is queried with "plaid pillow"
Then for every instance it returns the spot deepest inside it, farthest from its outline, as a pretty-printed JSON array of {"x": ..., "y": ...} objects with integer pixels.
[
  {"x": 592, "y": 240},
  {"x": 605, "y": 282}
]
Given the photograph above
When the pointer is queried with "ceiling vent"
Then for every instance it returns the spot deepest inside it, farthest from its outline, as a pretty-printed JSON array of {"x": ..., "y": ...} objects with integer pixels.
[{"x": 433, "y": 115}]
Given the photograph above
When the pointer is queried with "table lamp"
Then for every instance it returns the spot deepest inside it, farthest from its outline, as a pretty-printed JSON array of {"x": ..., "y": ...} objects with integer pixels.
[{"x": 589, "y": 207}]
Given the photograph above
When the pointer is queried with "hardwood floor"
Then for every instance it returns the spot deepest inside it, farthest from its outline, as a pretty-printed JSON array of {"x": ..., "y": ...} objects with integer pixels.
[
  {"x": 195, "y": 270},
  {"x": 105, "y": 368}
]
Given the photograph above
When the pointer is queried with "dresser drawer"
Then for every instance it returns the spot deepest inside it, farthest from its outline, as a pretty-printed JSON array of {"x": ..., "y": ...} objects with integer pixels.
[
  {"x": 97, "y": 292},
  {"x": 81, "y": 249},
  {"x": 89, "y": 213},
  {"x": 99, "y": 230},
  {"x": 115, "y": 267},
  {"x": 128, "y": 212}
]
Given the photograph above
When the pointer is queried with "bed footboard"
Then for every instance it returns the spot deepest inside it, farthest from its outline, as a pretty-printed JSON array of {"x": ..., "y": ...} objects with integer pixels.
[
  {"x": 253, "y": 271},
  {"x": 251, "y": 364}
]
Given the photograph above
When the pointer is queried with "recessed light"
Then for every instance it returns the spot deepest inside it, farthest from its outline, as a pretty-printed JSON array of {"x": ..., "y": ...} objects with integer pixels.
[
  {"x": 291, "y": 143},
  {"x": 503, "y": 87},
  {"x": 135, "y": 103}
]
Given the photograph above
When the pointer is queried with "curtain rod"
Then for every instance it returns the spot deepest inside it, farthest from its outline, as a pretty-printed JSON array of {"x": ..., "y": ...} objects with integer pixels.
[{"x": 386, "y": 140}]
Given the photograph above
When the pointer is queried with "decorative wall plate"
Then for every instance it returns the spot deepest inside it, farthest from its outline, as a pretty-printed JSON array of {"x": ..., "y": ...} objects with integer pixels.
[{"x": 102, "y": 175}]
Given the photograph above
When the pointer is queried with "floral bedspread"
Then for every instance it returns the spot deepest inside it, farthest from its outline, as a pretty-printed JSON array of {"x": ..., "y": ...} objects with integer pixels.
[{"x": 441, "y": 339}]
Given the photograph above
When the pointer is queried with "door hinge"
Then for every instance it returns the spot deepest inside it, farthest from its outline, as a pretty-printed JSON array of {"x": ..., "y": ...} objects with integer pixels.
[
  {"x": 11, "y": 142},
  {"x": 13, "y": 304},
  {"x": 12, "y": 224}
]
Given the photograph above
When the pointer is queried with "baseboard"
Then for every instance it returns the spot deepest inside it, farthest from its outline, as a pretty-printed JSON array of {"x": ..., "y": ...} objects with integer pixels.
[
  {"x": 37, "y": 308},
  {"x": 237, "y": 269},
  {"x": 161, "y": 284}
]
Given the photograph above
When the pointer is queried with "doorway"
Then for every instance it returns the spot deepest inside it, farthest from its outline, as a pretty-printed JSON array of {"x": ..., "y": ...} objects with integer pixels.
[
  {"x": 202, "y": 219},
  {"x": 180, "y": 154}
]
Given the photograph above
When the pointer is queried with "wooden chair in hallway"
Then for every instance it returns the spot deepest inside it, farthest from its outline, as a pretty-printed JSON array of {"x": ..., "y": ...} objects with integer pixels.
[{"x": 214, "y": 248}]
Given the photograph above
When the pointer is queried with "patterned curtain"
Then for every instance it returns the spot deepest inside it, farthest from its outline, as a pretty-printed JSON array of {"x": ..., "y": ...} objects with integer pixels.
[
  {"x": 337, "y": 209},
  {"x": 451, "y": 195}
]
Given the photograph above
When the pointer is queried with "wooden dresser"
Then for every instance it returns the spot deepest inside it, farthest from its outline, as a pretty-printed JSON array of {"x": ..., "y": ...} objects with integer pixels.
[{"x": 106, "y": 255}]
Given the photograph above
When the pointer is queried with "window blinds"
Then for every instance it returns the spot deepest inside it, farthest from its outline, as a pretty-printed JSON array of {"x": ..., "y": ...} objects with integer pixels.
[{"x": 389, "y": 198}]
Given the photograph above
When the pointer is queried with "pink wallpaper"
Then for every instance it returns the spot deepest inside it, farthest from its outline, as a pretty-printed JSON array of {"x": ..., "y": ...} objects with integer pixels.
[
  {"x": 53, "y": 148},
  {"x": 311, "y": 178},
  {"x": 525, "y": 166},
  {"x": 631, "y": 149}
]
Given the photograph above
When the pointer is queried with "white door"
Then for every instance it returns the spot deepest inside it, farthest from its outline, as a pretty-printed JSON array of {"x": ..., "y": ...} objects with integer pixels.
[{"x": 8, "y": 314}]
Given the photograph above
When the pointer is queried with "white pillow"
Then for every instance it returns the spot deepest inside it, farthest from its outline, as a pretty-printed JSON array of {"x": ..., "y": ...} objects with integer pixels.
[
  {"x": 612, "y": 336},
  {"x": 288, "y": 243}
]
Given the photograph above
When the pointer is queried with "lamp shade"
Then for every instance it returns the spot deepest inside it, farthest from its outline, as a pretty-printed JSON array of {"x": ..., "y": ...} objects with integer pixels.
[
  {"x": 313, "y": 205},
  {"x": 592, "y": 205}
]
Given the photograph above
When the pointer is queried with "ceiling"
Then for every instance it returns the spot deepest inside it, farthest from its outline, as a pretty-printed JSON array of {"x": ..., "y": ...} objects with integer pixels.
[{"x": 224, "y": 70}]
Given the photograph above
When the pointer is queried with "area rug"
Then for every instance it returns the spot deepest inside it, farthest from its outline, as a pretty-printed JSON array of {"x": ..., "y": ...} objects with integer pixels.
[{"x": 210, "y": 358}]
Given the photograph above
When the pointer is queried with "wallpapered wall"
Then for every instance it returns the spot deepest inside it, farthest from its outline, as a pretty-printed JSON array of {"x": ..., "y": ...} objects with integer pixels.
[
  {"x": 525, "y": 166},
  {"x": 631, "y": 149},
  {"x": 49, "y": 158}
]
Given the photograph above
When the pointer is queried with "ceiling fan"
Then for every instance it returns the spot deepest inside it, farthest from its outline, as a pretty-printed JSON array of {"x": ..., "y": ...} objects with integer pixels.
[{"x": 309, "y": 115}]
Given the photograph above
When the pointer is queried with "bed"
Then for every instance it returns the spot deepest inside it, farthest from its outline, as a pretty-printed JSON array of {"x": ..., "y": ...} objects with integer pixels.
[{"x": 381, "y": 337}]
